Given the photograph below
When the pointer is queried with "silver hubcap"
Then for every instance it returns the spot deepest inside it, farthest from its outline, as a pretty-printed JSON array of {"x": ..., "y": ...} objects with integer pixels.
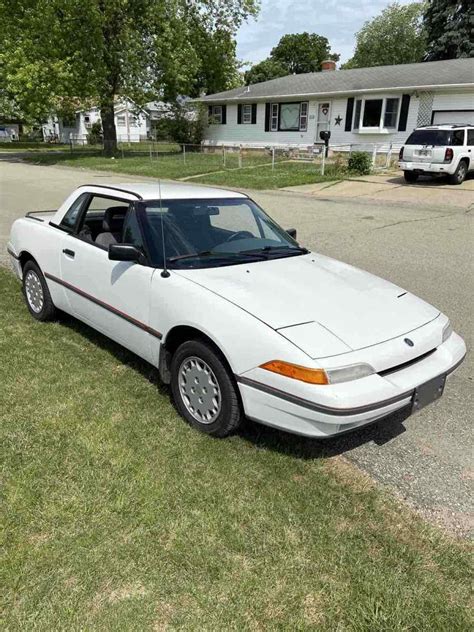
[
  {"x": 199, "y": 390},
  {"x": 34, "y": 291}
]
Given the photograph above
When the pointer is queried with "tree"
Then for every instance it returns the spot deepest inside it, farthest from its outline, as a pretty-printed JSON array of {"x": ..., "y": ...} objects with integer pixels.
[
  {"x": 395, "y": 36},
  {"x": 264, "y": 71},
  {"x": 54, "y": 53},
  {"x": 449, "y": 26},
  {"x": 303, "y": 52},
  {"x": 294, "y": 54}
]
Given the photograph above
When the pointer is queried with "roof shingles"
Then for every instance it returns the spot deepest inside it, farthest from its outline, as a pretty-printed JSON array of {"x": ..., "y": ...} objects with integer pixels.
[{"x": 423, "y": 75}]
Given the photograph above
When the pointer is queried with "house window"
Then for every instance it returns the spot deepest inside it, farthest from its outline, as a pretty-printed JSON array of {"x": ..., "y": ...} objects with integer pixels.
[
  {"x": 289, "y": 117},
  {"x": 372, "y": 113},
  {"x": 358, "y": 108},
  {"x": 274, "y": 117},
  {"x": 376, "y": 114},
  {"x": 216, "y": 115},
  {"x": 247, "y": 114},
  {"x": 303, "y": 117},
  {"x": 121, "y": 120},
  {"x": 391, "y": 113}
]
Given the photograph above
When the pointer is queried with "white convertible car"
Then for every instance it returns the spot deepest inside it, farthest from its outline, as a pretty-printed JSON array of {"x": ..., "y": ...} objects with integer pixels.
[{"x": 239, "y": 319}]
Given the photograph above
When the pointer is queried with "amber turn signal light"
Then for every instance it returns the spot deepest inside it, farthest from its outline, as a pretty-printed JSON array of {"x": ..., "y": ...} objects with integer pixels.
[{"x": 296, "y": 372}]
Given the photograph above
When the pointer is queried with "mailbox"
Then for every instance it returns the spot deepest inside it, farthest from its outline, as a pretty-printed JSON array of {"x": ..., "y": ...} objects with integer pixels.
[{"x": 325, "y": 135}]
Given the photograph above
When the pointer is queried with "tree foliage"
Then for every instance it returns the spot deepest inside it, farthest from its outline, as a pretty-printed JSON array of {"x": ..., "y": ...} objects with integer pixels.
[
  {"x": 449, "y": 26},
  {"x": 58, "y": 54},
  {"x": 395, "y": 36},
  {"x": 265, "y": 70},
  {"x": 294, "y": 54}
]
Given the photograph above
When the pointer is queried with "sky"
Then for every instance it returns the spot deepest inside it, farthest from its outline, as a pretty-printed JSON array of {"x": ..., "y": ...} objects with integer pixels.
[{"x": 338, "y": 20}]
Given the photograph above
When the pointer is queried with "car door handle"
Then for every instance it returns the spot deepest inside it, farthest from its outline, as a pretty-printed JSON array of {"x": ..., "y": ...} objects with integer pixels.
[{"x": 69, "y": 253}]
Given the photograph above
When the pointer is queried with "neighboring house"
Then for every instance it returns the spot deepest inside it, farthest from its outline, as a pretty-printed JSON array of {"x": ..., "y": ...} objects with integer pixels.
[
  {"x": 378, "y": 105},
  {"x": 9, "y": 132},
  {"x": 132, "y": 124}
]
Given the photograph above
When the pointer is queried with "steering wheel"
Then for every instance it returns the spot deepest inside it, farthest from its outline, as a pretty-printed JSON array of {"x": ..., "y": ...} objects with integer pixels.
[{"x": 240, "y": 234}]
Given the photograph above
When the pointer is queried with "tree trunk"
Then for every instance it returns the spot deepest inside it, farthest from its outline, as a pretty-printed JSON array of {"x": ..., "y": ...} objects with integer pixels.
[{"x": 108, "y": 126}]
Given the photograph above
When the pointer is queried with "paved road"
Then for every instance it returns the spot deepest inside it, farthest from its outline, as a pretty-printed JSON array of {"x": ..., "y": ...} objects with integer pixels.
[{"x": 427, "y": 459}]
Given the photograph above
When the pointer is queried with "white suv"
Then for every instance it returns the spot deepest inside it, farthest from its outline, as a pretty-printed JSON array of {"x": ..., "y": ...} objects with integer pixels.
[{"x": 438, "y": 150}]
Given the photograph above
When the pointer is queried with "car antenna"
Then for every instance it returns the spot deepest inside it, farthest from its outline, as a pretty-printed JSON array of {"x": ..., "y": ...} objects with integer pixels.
[{"x": 164, "y": 273}]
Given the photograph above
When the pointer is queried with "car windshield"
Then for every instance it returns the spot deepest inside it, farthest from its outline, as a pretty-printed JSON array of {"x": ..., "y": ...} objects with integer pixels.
[
  {"x": 435, "y": 137},
  {"x": 203, "y": 233}
]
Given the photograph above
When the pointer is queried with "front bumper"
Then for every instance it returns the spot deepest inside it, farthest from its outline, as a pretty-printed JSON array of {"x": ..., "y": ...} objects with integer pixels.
[
  {"x": 303, "y": 409},
  {"x": 15, "y": 261},
  {"x": 428, "y": 167}
]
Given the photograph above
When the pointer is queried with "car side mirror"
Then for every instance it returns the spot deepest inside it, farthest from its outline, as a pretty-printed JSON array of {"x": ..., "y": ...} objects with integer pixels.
[
  {"x": 291, "y": 232},
  {"x": 124, "y": 252}
]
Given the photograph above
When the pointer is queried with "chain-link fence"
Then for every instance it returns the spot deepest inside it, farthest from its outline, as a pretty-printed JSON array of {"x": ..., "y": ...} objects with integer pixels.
[{"x": 204, "y": 158}]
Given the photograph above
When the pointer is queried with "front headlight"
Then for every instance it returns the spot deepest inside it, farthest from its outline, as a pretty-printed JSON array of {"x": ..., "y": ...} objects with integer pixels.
[
  {"x": 318, "y": 376},
  {"x": 447, "y": 331},
  {"x": 349, "y": 373}
]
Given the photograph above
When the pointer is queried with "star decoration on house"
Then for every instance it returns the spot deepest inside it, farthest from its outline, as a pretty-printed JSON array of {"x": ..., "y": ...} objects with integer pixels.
[{"x": 338, "y": 120}]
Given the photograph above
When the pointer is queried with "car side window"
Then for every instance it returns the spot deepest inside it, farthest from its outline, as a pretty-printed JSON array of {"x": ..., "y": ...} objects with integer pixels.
[
  {"x": 458, "y": 137},
  {"x": 470, "y": 136},
  {"x": 131, "y": 230},
  {"x": 70, "y": 218}
]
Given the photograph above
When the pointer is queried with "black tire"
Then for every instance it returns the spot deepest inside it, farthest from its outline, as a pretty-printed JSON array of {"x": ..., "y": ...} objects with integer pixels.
[
  {"x": 460, "y": 174},
  {"x": 44, "y": 310},
  {"x": 410, "y": 176},
  {"x": 229, "y": 417}
]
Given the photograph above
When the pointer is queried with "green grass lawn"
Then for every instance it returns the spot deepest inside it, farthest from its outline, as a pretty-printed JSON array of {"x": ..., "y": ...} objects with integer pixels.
[
  {"x": 118, "y": 516},
  {"x": 256, "y": 174}
]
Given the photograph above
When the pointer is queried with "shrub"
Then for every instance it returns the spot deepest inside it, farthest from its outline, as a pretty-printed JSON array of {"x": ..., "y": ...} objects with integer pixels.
[
  {"x": 184, "y": 124},
  {"x": 360, "y": 163},
  {"x": 94, "y": 137}
]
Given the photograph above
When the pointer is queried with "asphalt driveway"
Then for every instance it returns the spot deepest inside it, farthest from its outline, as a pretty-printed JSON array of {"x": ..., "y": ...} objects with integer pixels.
[{"x": 422, "y": 244}]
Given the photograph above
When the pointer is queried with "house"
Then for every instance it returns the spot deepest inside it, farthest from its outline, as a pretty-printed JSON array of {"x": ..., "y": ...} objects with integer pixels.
[
  {"x": 378, "y": 105},
  {"x": 131, "y": 122}
]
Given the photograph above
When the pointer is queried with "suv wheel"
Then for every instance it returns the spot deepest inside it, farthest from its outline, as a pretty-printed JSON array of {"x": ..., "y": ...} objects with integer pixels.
[
  {"x": 410, "y": 176},
  {"x": 204, "y": 390},
  {"x": 460, "y": 174}
]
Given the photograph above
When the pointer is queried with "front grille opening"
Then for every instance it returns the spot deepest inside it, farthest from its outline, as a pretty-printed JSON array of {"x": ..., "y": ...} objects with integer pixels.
[{"x": 405, "y": 365}]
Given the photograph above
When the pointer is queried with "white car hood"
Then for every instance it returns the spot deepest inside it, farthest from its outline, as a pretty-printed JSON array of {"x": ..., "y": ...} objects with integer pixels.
[{"x": 359, "y": 308}]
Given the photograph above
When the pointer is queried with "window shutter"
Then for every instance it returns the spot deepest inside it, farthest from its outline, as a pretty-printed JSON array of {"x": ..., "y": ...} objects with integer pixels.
[
  {"x": 349, "y": 113},
  {"x": 402, "y": 123},
  {"x": 267, "y": 117},
  {"x": 239, "y": 114},
  {"x": 254, "y": 113},
  {"x": 224, "y": 114}
]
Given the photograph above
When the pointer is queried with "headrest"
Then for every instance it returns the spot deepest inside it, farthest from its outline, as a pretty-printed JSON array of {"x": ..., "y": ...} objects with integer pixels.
[{"x": 113, "y": 219}]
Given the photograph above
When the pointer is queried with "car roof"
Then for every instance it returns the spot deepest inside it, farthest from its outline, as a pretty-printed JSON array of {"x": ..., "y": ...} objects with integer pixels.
[
  {"x": 169, "y": 190},
  {"x": 446, "y": 126}
]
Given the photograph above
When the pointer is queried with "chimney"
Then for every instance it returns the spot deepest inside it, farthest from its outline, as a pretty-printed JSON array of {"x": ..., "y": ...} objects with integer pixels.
[{"x": 328, "y": 65}]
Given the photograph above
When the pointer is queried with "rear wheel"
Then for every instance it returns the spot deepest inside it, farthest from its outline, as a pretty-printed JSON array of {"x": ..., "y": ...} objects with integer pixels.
[
  {"x": 203, "y": 389},
  {"x": 460, "y": 174},
  {"x": 36, "y": 293},
  {"x": 410, "y": 176}
]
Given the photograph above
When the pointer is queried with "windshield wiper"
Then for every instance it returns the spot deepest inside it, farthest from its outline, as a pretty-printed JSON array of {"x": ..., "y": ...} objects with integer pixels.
[
  {"x": 280, "y": 250},
  {"x": 221, "y": 255}
]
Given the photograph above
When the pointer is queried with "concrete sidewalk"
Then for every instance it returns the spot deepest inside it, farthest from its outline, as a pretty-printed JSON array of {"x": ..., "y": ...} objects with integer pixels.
[{"x": 393, "y": 188}]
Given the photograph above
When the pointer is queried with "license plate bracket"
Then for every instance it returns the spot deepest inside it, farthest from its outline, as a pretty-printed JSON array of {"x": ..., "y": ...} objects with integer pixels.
[{"x": 428, "y": 392}]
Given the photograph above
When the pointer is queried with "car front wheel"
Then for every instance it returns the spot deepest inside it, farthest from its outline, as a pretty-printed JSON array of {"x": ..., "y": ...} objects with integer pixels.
[
  {"x": 203, "y": 389},
  {"x": 410, "y": 176},
  {"x": 459, "y": 175},
  {"x": 36, "y": 293}
]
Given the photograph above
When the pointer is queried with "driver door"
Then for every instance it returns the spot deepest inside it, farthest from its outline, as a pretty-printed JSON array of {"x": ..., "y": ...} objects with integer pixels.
[{"x": 111, "y": 296}]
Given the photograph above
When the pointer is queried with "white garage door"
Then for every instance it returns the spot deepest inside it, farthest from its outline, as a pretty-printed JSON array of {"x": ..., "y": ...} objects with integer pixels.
[{"x": 453, "y": 116}]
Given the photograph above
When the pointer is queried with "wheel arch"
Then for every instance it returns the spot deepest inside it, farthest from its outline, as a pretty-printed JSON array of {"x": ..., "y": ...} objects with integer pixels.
[
  {"x": 175, "y": 337},
  {"x": 24, "y": 257}
]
